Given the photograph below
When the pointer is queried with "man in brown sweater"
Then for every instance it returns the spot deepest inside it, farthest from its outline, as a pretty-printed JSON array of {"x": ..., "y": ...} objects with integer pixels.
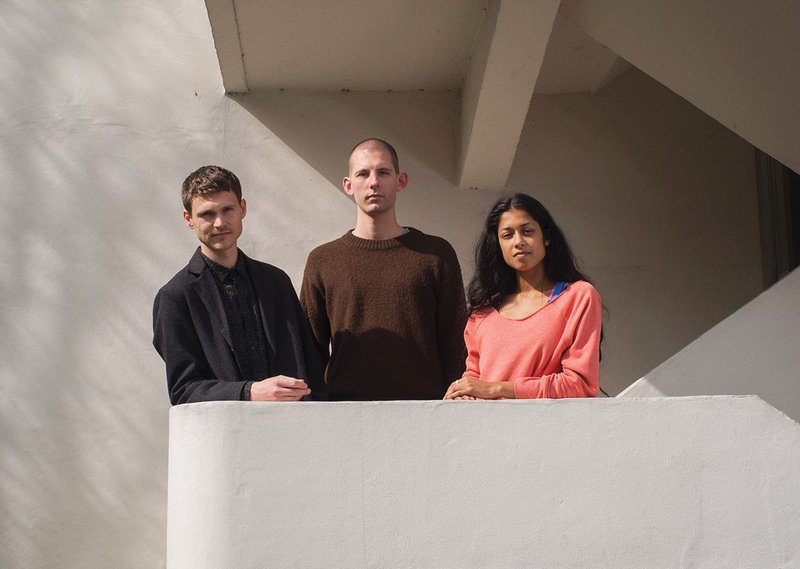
[{"x": 386, "y": 300}]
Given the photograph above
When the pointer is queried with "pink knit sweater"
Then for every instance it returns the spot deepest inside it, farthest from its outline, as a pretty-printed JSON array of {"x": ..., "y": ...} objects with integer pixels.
[{"x": 552, "y": 353}]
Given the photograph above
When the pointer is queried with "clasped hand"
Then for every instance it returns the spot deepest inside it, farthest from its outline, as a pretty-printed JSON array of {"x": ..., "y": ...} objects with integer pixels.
[
  {"x": 279, "y": 388},
  {"x": 469, "y": 388}
]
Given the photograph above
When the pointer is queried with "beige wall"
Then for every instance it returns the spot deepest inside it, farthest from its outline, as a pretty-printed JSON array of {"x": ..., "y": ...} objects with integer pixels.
[{"x": 106, "y": 106}]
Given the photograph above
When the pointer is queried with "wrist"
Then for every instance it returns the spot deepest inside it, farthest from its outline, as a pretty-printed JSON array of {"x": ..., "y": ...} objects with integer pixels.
[{"x": 502, "y": 390}]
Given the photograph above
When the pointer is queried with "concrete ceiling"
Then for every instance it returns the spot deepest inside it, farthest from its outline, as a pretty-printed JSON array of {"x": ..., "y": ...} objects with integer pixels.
[{"x": 496, "y": 53}]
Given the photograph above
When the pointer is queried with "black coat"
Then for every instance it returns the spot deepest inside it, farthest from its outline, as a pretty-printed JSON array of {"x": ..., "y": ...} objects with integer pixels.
[{"x": 191, "y": 333}]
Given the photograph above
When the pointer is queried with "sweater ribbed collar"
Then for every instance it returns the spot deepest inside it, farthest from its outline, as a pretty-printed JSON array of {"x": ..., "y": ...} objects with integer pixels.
[{"x": 380, "y": 244}]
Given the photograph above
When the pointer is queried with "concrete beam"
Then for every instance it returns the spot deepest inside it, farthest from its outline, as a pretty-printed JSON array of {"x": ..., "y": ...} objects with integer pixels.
[
  {"x": 738, "y": 65},
  {"x": 575, "y": 62},
  {"x": 225, "y": 28},
  {"x": 499, "y": 86}
]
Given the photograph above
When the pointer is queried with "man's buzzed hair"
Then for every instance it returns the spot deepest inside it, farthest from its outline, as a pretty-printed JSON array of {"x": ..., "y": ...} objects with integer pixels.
[
  {"x": 377, "y": 142},
  {"x": 209, "y": 180}
]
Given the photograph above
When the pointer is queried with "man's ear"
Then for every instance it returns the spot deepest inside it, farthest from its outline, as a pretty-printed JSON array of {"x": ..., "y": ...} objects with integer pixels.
[
  {"x": 243, "y": 204},
  {"x": 402, "y": 181},
  {"x": 187, "y": 217},
  {"x": 348, "y": 189}
]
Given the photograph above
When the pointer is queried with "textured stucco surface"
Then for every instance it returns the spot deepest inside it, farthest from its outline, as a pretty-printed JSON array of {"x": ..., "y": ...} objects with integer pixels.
[{"x": 702, "y": 482}]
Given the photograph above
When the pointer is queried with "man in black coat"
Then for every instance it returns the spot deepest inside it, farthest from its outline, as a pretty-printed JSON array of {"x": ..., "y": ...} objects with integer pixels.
[{"x": 229, "y": 327}]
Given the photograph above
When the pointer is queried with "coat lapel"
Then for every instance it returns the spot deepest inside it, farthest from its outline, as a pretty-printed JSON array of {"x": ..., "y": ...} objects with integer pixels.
[{"x": 209, "y": 295}]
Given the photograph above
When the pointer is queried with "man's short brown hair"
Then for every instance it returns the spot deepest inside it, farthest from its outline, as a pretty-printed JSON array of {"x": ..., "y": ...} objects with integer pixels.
[
  {"x": 377, "y": 142},
  {"x": 208, "y": 180}
]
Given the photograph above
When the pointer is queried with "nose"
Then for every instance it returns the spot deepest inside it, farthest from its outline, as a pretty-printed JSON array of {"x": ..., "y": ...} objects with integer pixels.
[
  {"x": 517, "y": 241},
  {"x": 218, "y": 221},
  {"x": 373, "y": 179}
]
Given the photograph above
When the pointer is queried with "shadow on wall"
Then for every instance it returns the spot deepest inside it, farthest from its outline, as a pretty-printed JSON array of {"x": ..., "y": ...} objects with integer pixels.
[
  {"x": 323, "y": 127},
  {"x": 84, "y": 157}
]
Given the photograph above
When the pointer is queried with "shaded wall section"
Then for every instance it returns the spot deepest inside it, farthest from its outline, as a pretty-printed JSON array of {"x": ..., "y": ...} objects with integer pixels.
[
  {"x": 735, "y": 61},
  {"x": 755, "y": 350}
]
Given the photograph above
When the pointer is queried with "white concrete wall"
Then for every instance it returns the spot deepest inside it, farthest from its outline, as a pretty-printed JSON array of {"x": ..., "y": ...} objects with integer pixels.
[
  {"x": 106, "y": 106},
  {"x": 577, "y": 483},
  {"x": 755, "y": 350}
]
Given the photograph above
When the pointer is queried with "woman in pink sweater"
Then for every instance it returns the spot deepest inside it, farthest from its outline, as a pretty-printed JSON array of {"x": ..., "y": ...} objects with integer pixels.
[{"x": 535, "y": 320}]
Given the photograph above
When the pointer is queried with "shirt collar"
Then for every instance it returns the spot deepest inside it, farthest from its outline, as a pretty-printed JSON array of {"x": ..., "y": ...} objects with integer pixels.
[{"x": 222, "y": 272}]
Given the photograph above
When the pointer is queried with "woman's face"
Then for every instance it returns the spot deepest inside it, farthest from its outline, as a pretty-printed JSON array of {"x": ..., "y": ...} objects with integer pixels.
[{"x": 521, "y": 241}]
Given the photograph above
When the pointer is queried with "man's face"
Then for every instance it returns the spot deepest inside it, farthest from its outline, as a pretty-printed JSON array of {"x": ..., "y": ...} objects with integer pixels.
[
  {"x": 217, "y": 221},
  {"x": 373, "y": 181}
]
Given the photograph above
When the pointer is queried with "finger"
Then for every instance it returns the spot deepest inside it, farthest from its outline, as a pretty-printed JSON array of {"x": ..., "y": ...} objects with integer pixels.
[
  {"x": 452, "y": 391},
  {"x": 291, "y": 383},
  {"x": 291, "y": 392}
]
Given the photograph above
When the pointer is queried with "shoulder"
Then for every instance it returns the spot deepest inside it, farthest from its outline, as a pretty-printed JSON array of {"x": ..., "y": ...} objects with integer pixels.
[
  {"x": 479, "y": 317},
  {"x": 580, "y": 298},
  {"x": 584, "y": 290},
  {"x": 183, "y": 280},
  {"x": 431, "y": 245},
  {"x": 264, "y": 276},
  {"x": 265, "y": 270},
  {"x": 431, "y": 242}
]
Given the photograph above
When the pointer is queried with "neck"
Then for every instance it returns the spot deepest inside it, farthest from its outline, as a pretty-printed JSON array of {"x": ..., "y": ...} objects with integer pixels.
[
  {"x": 534, "y": 281},
  {"x": 224, "y": 258},
  {"x": 378, "y": 227}
]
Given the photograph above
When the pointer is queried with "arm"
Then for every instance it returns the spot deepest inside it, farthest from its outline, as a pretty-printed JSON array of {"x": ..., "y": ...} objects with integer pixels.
[
  {"x": 313, "y": 370},
  {"x": 312, "y": 300},
  {"x": 189, "y": 374},
  {"x": 470, "y": 386},
  {"x": 451, "y": 316}
]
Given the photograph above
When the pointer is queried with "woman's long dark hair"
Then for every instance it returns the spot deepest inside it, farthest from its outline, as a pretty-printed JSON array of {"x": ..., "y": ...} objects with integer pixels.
[{"x": 493, "y": 276}]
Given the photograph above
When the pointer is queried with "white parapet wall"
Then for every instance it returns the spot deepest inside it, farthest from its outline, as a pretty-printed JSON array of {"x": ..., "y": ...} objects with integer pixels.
[{"x": 683, "y": 482}]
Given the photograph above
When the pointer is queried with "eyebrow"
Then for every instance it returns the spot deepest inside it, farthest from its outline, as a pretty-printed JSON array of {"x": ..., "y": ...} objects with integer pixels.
[{"x": 378, "y": 168}]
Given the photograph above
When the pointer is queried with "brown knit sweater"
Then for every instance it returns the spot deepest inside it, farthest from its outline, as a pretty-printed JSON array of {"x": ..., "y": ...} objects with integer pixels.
[{"x": 392, "y": 312}]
